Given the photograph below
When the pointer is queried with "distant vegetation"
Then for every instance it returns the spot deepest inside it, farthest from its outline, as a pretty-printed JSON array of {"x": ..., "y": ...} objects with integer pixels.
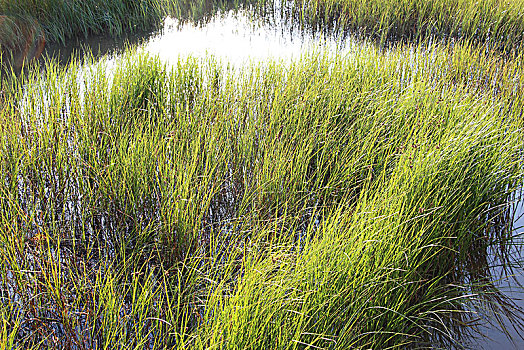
[
  {"x": 499, "y": 22},
  {"x": 64, "y": 19}
]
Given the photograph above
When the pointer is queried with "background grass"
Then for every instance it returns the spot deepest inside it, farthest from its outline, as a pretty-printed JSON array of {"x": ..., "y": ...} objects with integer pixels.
[
  {"x": 499, "y": 22},
  {"x": 63, "y": 20},
  {"x": 66, "y": 19}
]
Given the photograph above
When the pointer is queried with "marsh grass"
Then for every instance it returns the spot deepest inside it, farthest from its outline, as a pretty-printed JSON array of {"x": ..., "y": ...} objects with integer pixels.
[
  {"x": 336, "y": 201},
  {"x": 65, "y": 20},
  {"x": 332, "y": 202},
  {"x": 499, "y": 23}
]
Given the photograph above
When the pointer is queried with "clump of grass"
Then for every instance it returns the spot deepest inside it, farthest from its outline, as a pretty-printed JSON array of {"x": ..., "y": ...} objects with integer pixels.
[
  {"x": 63, "y": 20},
  {"x": 501, "y": 23},
  {"x": 335, "y": 202},
  {"x": 66, "y": 19}
]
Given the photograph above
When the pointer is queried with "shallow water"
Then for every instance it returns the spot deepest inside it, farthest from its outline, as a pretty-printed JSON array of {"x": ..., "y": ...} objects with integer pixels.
[
  {"x": 511, "y": 283},
  {"x": 238, "y": 37}
]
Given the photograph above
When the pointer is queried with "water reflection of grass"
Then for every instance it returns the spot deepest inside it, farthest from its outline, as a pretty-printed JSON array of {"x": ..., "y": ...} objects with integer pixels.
[{"x": 337, "y": 201}]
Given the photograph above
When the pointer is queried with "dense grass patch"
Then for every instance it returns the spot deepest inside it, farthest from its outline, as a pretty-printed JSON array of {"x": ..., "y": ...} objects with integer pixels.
[
  {"x": 66, "y": 19},
  {"x": 332, "y": 202},
  {"x": 499, "y": 22}
]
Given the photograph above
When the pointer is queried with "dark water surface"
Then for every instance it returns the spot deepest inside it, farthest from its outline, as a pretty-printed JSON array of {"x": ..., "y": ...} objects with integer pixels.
[
  {"x": 238, "y": 37},
  {"x": 511, "y": 282}
]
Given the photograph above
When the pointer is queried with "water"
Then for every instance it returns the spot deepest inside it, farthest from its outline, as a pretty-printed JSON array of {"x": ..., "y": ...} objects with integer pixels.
[
  {"x": 511, "y": 283},
  {"x": 236, "y": 37},
  {"x": 239, "y": 38}
]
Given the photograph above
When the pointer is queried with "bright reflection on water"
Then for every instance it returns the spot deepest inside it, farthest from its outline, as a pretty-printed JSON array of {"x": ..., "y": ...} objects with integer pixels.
[{"x": 234, "y": 36}]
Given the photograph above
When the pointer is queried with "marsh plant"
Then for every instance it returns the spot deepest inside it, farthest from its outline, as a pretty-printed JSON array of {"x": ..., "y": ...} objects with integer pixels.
[
  {"x": 332, "y": 202},
  {"x": 499, "y": 23},
  {"x": 65, "y": 20}
]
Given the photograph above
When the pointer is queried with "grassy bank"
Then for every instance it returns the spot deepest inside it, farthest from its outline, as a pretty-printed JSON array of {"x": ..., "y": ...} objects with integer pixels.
[
  {"x": 501, "y": 23},
  {"x": 65, "y": 19},
  {"x": 333, "y": 202},
  {"x": 62, "y": 20}
]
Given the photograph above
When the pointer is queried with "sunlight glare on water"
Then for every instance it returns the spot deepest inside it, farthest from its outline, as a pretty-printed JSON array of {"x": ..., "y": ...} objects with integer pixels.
[{"x": 236, "y": 37}]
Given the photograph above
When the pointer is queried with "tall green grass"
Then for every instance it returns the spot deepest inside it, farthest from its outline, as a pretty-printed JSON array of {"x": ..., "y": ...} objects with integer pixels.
[
  {"x": 63, "y": 20},
  {"x": 66, "y": 19},
  {"x": 332, "y": 202},
  {"x": 499, "y": 22}
]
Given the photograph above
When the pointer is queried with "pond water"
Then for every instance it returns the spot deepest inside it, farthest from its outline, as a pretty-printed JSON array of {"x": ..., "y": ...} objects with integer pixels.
[
  {"x": 234, "y": 36},
  {"x": 512, "y": 284},
  {"x": 238, "y": 37}
]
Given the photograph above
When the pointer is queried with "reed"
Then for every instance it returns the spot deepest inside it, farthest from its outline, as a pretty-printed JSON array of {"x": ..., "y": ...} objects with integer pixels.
[
  {"x": 332, "y": 202},
  {"x": 63, "y": 20},
  {"x": 501, "y": 23}
]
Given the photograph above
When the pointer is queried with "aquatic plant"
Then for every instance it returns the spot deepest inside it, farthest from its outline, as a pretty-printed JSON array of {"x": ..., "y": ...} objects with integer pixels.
[
  {"x": 332, "y": 202},
  {"x": 501, "y": 23},
  {"x": 66, "y": 19}
]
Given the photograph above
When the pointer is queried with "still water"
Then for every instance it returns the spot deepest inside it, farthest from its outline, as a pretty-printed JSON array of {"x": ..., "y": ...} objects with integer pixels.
[
  {"x": 238, "y": 37},
  {"x": 512, "y": 284}
]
